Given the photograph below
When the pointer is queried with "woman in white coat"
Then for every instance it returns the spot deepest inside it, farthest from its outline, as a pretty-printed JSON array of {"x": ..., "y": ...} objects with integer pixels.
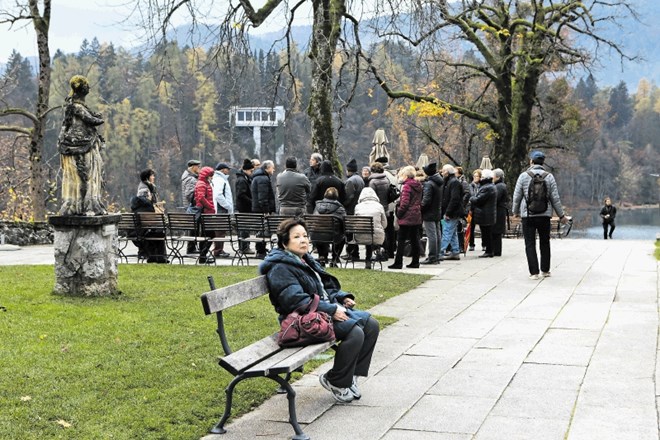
[{"x": 369, "y": 205}]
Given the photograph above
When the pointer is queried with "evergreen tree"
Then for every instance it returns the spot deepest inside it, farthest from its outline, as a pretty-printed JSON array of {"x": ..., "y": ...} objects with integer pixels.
[{"x": 621, "y": 106}]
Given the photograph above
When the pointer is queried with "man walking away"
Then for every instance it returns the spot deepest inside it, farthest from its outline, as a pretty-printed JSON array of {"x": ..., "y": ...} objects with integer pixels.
[
  {"x": 188, "y": 181},
  {"x": 452, "y": 208},
  {"x": 534, "y": 198},
  {"x": 293, "y": 189},
  {"x": 432, "y": 211}
]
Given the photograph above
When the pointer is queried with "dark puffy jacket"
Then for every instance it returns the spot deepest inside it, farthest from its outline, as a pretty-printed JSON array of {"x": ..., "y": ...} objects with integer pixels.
[
  {"x": 354, "y": 185},
  {"x": 502, "y": 210},
  {"x": 292, "y": 284},
  {"x": 452, "y": 206},
  {"x": 204, "y": 191},
  {"x": 323, "y": 182},
  {"x": 484, "y": 204},
  {"x": 381, "y": 186},
  {"x": 336, "y": 209},
  {"x": 263, "y": 196},
  {"x": 243, "y": 192},
  {"x": 432, "y": 198},
  {"x": 409, "y": 209}
]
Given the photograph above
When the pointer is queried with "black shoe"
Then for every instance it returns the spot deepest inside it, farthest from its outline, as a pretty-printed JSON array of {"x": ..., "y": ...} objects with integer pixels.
[
  {"x": 430, "y": 261},
  {"x": 395, "y": 266},
  {"x": 451, "y": 257},
  {"x": 367, "y": 264},
  {"x": 471, "y": 248},
  {"x": 412, "y": 266},
  {"x": 486, "y": 255}
]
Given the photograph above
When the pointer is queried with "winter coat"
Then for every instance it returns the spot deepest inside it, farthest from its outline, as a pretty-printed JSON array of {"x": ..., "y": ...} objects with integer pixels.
[
  {"x": 409, "y": 208},
  {"x": 204, "y": 191},
  {"x": 243, "y": 192},
  {"x": 452, "y": 206},
  {"x": 224, "y": 201},
  {"x": 323, "y": 182},
  {"x": 519, "y": 206},
  {"x": 188, "y": 181},
  {"x": 263, "y": 197},
  {"x": 293, "y": 189},
  {"x": 502, "y": 210},
  {"x": 611, "y": 210},
  {"x": 354, "y": 185},
  {"x": 381, "y": 186},
  {"x": 145, "y": 198},
  {"x": 433, "y": 188},
  {"x": 369, "y": 205},
  {"x": 466, "y": 193},
  {"x": 293, "y": 283},
  {"x": 484, "y": 204},
  {"x": 336, "y": 209},
  {"x": 312, "y": 174}
]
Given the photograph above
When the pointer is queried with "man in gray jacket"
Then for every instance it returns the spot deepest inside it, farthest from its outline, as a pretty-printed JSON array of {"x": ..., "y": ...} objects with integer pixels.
[
  {"x": 293, "y": 189},
  {"x": 533, "y": 222},
  {"x": 188, "y": 181}
]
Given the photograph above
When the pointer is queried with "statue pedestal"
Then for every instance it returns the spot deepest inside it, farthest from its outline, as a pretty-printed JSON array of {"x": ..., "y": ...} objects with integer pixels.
[{"x": 85, "y": 255}]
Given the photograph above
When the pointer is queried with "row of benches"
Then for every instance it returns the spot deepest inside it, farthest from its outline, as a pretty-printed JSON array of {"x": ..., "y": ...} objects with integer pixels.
[{"x": 176, "y": 230}]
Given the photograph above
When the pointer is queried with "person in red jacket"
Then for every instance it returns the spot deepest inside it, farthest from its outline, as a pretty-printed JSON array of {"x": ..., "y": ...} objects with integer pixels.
[
  {"x": 409, "y": 215},
  {"x": 204, "y": 199}
]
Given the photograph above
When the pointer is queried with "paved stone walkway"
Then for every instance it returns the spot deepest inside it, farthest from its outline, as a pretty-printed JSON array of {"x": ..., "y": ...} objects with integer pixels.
[{"x": 482, "y": 352}]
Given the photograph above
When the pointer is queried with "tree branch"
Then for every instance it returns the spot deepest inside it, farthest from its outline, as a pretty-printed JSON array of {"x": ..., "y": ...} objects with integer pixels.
[
  {"x": 21, "y": 112},
  {"x": 16, "y": 129}
]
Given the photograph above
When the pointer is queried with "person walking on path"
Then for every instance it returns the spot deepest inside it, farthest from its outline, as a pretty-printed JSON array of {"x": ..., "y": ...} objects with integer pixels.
[
  {"x": 608, "y": 214},
  {"x": 484, "y": 210},
  {"x": 204, "y": 200},
  {"x": 293, "y": 189},
  {"x": 432, "y": 211},
  {"x": 452, "y": 212},
  {"x": 188, "y": 181},
  {"x": 534, "y": 198},
  {"x": 409, "y": 215},
  {"x": 502, "y": 211}
]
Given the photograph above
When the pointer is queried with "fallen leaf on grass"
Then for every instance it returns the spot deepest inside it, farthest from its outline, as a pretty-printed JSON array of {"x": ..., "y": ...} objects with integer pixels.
[
  {"x": 25, "y": 398},
  {"x": 64, "y": 423}
]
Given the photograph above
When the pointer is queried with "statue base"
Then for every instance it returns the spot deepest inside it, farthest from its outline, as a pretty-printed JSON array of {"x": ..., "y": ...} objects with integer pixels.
[{"x": 85, "y": 255}]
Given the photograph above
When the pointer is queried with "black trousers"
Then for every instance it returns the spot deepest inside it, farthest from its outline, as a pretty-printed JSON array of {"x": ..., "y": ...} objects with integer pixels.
[
  {"x": 611, "y": 225},
  {"x": 353, "y": 356},
  {"x": 390, "y": 236},
  {"x": 496, "y": 239},
  {"x": 410, "y": 233},
  {"x": 531, "y": 226},
  {"x": 487, "y": 237}
]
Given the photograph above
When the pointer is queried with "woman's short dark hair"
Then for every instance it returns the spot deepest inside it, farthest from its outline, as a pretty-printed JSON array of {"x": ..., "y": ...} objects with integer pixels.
[
  {"x": 331, "y": 193},
  {"x": 285, "y": 227},
  {"x": 145, "y": 174},
  {"x": 377, "y": 167}
]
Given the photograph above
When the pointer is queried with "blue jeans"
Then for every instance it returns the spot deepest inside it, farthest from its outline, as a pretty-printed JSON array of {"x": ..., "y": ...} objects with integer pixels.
[
  {"x": 450, "y": 235},
  {"x": 434, "y": 234}
]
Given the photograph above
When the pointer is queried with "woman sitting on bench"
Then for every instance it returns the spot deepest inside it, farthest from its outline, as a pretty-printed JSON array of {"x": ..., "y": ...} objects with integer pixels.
[{"x": 294, "y": 276}]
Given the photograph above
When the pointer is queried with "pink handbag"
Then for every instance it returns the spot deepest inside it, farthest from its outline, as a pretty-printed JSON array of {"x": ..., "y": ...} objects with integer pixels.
[{"x": 302, "y": 328}]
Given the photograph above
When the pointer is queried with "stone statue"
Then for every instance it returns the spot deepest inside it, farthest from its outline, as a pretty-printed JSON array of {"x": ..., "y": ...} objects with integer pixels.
[{"x": 80, "y": 147}]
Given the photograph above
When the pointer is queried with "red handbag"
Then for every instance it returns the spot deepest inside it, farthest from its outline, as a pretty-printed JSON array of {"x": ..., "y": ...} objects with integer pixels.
[{"x": 302, "y": 327}]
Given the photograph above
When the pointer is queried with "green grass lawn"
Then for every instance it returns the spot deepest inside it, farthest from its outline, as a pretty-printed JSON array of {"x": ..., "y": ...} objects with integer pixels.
[{"x": 141, "y": 365}]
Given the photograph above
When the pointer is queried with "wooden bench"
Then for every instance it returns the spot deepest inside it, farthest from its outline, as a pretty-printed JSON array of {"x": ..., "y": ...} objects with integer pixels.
[{"x": 262, "y": 358}]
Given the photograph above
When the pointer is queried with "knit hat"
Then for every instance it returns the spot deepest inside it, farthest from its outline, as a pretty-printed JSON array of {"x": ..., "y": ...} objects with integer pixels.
[
  {"x": 221, "y": 166},
  {"x": 247, "y": 164},
  {"x": 193, "y": 162},
  {"x": 430, "y": 169},
  {"x": 351, "y": 166},
  {"x": 382, "y": 159}
]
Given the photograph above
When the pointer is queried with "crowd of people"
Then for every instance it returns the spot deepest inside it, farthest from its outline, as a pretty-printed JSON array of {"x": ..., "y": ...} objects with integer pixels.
[{"x": 405, "y": 204}]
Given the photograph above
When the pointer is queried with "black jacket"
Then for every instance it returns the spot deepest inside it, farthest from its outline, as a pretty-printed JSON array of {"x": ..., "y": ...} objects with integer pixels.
[
  {"x": 263, "y": 196},
  {"x": 484, "y": 204},
  {"x": 432, "y": 198},
  {"x": 243, "y": 192},
  {"x": 452, "y": 196},
  {"x": 502, "y": 207},
  {"x": 323, "y": 182}
]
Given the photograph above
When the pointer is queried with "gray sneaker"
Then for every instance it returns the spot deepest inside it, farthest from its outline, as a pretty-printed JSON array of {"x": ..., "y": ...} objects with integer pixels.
[
  {"x": 355, "y": 391},
  {"x": 341, "y": 395}
]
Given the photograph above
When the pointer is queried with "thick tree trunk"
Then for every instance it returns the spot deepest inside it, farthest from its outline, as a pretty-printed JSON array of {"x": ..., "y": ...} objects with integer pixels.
[
  {"x": 41, "y": 23},
  {"x": 327, "y": 25}
]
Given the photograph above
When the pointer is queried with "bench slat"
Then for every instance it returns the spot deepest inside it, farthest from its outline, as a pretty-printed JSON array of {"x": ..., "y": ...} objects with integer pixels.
[
  {"x": 244, "y": 358},
  {"x": 220, "y": 299},
  {"x": 289, "y": 359}
]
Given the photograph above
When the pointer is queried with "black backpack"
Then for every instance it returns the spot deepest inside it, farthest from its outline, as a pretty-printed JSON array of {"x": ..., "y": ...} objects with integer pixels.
[
  {"x": 537, "y": 193},
  {"x": 393, "y": 193}
]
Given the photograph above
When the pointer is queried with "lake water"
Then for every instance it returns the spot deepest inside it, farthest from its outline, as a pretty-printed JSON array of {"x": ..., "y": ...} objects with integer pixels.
[{"x": 631, "y": 224}]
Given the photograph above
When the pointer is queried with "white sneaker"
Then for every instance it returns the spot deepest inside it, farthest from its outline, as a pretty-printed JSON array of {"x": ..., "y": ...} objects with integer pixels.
[
  {"x": 545, "y": 274},
  {"x": 354, "y": 389},
  {"x": 534, "y": 277},
  {"x": 341, "y": 395}
]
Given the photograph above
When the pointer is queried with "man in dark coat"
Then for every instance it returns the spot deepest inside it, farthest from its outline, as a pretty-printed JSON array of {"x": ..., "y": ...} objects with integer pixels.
[
  {"x": 484, "y": 210},
  {"x": 452, "y": 211},
  {"x": 263, "y": 196},
  {"x": 354, "y": 185},
  {"x": 314, "y": 171},
  {"x": 502, "y": 211},
  {"x": 326, "y": 180},
  {"x": 244, "y": 197},
  {"x": 432, "y": 211},
  {"x": 293, "y": 189}
]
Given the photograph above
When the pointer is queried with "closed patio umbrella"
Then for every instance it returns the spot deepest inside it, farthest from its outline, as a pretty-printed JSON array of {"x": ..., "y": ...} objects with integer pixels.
[{"x": 379, "y": 148}]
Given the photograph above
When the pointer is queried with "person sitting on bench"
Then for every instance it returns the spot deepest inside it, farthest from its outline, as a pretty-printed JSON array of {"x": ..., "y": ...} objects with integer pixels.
[{"x": 293, "y": 277}]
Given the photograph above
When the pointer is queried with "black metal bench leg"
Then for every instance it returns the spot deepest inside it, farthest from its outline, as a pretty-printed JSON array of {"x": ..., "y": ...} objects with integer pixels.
[
  {"x": 219, "y": 428},
  {"x": 291, "y": 397}
]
